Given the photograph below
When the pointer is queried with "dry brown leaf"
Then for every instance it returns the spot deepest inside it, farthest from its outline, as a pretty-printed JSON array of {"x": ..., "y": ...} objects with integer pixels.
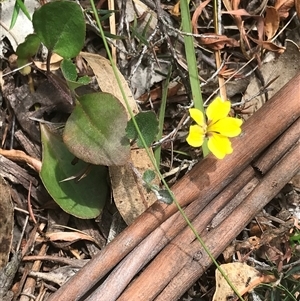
[
  {"x": 175, "y": 11},
  {"x": 106, "y": 79},
  {"x": 269, "y": 46},
  {"x": 283, "y": 7},
  {"x": 156, "y": 92},
  {"x": 54, "y": 63},
  {"x": 130, "y": 197},
  {"x": 217, "y": 42},
  {"x": 196, "y": 15},
  {"x": 242, "y": 276},
  {"x": 237, "y": 12},
  {"x": 68, "y": 236},
  {"x": 20, "y": 156},
  {"x": 271, "y": 22},
  {"x": 6, "y": 222}
]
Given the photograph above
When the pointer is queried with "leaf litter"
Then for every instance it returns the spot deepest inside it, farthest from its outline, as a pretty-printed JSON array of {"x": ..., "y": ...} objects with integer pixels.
[{"x": 249, "y": 30}]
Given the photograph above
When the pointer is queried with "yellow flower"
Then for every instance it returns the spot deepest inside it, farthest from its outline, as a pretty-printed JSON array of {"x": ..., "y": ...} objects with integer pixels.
[{"x": 217, "y": 129}]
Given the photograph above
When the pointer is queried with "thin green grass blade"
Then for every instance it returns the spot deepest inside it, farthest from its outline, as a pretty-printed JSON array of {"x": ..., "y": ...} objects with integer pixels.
[
  {"x": 161, "y": 117},
  {"x": 18, "y": 5},
  {"x": 192, "y": 63}
]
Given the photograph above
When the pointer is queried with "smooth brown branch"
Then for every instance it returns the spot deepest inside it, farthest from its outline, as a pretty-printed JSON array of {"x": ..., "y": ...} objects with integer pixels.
[{"x": 217, "y": 239}]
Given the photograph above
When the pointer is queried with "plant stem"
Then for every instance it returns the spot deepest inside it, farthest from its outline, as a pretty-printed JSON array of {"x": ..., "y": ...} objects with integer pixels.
[{"x": 192, "y": 64}]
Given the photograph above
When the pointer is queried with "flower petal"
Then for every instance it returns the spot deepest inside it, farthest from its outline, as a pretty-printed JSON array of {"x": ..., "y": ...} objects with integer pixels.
[
  {"x": 228, "y": 126},
  {"x": 219, "y": 145},
  {"x": 217, "y": 109},
  {"x": 198, "y": 116},
  {"x": 196, "y": 136}
]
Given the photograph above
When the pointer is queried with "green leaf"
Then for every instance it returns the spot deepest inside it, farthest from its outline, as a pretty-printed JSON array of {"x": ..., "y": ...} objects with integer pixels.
[
  {"x": 84, "y": 80},
  {"x": 61, "y": 27},
  {"x": 148, "y": 125},
  {"x": 95, "y": 131},
  {"x": 148, "y": 176},
  {"x": 69, "y": 72},
  {"x": 83, "y": 199},
  {"x": 27, "y": 49},
  {"x": 18, "y": 4},
  {"x": 164, "y": 196}
]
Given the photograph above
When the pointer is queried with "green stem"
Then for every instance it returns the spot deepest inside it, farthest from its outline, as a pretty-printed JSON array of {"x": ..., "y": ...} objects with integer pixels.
[
  {"x": 192, "y": 64},
  {"x": 161, "y": 118}
]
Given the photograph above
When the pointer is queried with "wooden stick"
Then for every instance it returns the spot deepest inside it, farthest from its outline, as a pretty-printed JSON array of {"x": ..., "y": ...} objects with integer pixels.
[
  {"x": 203, "y": 183},
  {"x": 121, "y": 276},
  {"x": 218, "y": 238},
  {"x": 163, "y": 266},
  {"x": 277, "y": 149}
]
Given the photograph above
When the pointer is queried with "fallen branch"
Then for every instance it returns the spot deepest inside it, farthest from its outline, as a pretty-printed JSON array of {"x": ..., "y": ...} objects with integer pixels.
[
  {"x": 183, "y": 261},
  {"x": 200, "y": 186}
]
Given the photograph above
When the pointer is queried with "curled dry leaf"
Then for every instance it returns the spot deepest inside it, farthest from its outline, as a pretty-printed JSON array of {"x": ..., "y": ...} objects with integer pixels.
[
  {"x": 283, "y": 7},
  {"x": 269, "y": 46},
  {"x": 130, "y": 197},
  {"x": 217, "y": 42},
  {"x": 68, "y": 237},
  {"x": 271, "y": 22},
  {"x": 196, "y": 15}
]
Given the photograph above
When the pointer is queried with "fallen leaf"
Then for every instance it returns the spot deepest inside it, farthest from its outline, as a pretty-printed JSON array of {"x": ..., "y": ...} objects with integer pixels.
[
  {"x": 283, "y": 7},
  {"x": 196, "y": 15},
  {"x": 54, "y": 63},
  {"x": 23, "y": 26},
  {"x": 130, "y": 197},
  {"x": 217, "y": 42},
  {"x": 175, "y": 11},
  {"x": 243, "y": 277},
  {"x": 46, "y": 99},
  {"x": 68, "y": 236},
  {"x": 271, "y": 22},
  {"x": 268, "y": 45}
]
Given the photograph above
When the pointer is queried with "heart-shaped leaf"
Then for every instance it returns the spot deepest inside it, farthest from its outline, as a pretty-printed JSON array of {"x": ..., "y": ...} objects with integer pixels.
[
  {"x": 95, "y": 131},
  {"x": 84, "y": 198},
  {"x": 148, "y": 125},
  {"x": 61, "y": 27}
]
